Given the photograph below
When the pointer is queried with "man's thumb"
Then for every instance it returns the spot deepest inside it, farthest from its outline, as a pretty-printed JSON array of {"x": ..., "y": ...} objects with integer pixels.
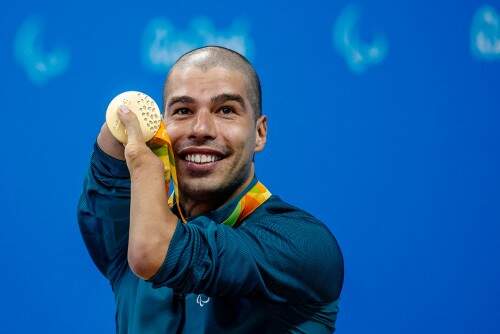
[{"x": 131, "y": 123}]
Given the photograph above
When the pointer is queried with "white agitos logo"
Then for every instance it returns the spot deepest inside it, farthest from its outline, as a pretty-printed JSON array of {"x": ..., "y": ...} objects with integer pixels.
[
  {"x": 358, "y": 54},
  {"x": 485, "y": 34},
  {"x": 39, "y": 65},
  {"x": 202, "y": 300}
]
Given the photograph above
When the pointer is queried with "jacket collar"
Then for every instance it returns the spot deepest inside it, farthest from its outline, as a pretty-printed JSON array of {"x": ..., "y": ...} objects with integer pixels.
[{"x": 220, "y": 214}]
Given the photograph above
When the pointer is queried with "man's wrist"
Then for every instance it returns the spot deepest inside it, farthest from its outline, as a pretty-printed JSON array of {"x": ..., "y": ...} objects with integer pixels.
[{"x": 146, "y": 166}]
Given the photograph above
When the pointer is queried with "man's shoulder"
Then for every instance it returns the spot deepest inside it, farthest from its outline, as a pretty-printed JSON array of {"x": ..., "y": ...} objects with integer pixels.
[
  {"x": 299, "y": 244},
  {"x": 280, "y": 216},
  {"x": 275, "y": 208}
]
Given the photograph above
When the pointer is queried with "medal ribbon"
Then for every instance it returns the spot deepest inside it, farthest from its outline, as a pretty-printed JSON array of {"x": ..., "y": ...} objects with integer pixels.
[{"x": 161, "y": 145}]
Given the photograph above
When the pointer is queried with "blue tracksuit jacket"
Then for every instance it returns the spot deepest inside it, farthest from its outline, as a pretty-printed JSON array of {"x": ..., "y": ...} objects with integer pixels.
[{"x": 280, "y": 271}]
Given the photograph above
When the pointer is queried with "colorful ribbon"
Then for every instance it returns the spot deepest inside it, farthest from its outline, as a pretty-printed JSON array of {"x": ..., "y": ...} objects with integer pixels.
[{"x": 161, "y": 145}]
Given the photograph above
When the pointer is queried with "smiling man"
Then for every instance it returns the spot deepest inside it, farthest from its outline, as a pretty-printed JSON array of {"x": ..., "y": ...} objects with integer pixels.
[{"x": 245, "y": 261}]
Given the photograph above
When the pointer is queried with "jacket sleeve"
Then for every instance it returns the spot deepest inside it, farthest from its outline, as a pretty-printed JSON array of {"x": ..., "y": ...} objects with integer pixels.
[
  {"x": 289, "y": 259},
  {"x": 103, "y": 213}
]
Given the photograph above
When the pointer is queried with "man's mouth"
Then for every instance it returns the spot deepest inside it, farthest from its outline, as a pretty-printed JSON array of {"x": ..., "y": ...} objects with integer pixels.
[{"x": 200, "y": 160}]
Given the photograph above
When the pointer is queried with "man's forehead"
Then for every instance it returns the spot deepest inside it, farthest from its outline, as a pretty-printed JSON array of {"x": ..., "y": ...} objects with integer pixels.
[{"x": 188, "y": 80}]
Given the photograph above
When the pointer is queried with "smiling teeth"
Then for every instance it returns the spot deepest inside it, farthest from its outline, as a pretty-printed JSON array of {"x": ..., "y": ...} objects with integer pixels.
[{"x": 201, "y": 158}]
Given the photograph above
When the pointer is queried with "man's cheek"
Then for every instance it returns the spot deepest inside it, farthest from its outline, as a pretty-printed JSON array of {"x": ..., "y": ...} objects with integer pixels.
[{"x": 174, "y": 129}]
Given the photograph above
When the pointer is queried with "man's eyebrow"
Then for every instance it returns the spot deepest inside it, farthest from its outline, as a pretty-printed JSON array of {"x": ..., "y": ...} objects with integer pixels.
[
  {"x": 180, "y": 99},
  {"x": 221, "y": 98}
]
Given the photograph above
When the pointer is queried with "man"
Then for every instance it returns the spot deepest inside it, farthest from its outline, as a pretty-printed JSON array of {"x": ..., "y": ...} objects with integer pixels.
[{"x": 275, "y": 270}]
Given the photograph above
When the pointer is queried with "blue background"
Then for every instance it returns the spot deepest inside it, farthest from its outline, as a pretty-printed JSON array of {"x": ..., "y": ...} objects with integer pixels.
[{"x": 400, "y": 159}]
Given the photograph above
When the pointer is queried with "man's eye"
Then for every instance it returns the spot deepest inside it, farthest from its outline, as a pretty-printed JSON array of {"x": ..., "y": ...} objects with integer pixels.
[
  {"x": 226, "y": 110},
  {"x": 181, "y": 111}
]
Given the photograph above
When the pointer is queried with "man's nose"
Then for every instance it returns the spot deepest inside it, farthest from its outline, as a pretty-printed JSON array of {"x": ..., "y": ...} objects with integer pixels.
[{"x": 203, "y": 126}]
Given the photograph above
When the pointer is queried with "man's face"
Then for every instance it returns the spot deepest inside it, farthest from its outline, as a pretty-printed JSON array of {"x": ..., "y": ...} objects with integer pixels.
[{"x": 213, "y": 129}]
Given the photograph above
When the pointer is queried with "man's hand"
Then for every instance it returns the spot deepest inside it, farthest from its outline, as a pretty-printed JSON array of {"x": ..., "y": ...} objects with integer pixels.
[
  {"x": 137, "y": 153},
  {"x": 152, "y": 224}
]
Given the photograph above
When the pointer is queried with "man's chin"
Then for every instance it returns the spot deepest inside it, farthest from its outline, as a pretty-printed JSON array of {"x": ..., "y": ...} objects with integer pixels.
[
  {"x": 200, "y": 188},
  {"x": 211, "y": 186}
]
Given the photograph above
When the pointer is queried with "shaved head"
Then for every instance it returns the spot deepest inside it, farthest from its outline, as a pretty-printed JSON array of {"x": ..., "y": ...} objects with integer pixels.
[{"x": 208, "y": 57}]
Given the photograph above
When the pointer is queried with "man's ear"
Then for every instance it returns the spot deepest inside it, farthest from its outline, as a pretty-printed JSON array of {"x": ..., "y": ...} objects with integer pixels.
[{"x": 261, "y": 133}]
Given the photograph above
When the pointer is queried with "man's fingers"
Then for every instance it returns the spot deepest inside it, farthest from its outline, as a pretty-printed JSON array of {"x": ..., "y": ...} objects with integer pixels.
[{"x": 131, "y": 123}]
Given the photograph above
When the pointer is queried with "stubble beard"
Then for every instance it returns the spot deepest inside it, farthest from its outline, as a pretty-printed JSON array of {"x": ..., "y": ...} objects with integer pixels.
[{"x": 214, "y": 188}]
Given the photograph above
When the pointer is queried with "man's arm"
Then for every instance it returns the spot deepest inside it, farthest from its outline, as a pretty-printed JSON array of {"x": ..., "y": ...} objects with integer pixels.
[
  {"x": 152, "y": 224},
  {"x": 109, "y": 145},
  {"x": 281, "y": 258},
  {"x": 104, "y": 206}
]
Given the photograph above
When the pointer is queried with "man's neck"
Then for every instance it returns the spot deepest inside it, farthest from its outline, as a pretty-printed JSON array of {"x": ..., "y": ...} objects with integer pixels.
[{"x": 193, "y": 207}]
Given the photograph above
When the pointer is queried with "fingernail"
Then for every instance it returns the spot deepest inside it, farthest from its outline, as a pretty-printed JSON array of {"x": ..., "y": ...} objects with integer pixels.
[{"x": 124, "y": 109}]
